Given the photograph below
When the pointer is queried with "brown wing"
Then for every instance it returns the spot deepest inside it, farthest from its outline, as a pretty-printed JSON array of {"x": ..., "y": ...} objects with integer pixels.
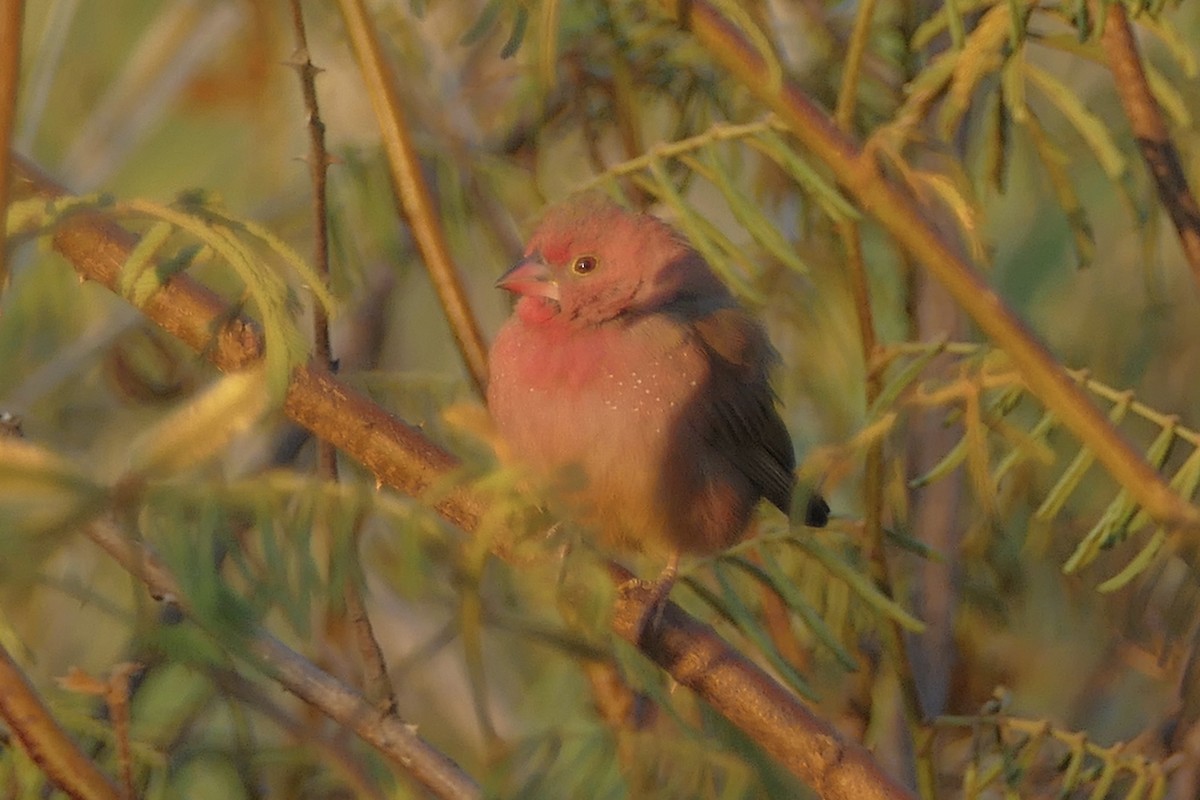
[{"x": 743, "y": 422}]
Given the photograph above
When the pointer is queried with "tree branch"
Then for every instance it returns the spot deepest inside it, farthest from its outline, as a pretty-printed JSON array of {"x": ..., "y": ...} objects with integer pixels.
[
  {"x": 402, "y": 458},
  {"x": 1150, "y": 131}
]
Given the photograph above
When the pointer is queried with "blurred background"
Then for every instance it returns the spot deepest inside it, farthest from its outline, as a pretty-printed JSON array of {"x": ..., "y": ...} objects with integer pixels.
[{"x": 511, "y": 106}]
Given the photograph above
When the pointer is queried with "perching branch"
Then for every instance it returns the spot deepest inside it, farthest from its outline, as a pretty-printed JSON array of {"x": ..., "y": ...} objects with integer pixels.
[
  {"x": 1150, "y": 131},
  {"x": 401, "y": 457},
  {"x": 903, "y": 218},
  {"x": 415, "y": 200}
]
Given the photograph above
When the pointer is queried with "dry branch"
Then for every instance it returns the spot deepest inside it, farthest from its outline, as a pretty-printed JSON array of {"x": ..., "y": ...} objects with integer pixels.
[{"x": 1150, "y": 131}]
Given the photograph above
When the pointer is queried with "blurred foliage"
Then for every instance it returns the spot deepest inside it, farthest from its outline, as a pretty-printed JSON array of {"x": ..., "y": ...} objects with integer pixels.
[{"x": 1064, "y": 619}]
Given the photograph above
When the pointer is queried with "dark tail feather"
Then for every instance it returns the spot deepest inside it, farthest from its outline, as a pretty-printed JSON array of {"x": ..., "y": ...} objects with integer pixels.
[{"x": 816, "y": 513}]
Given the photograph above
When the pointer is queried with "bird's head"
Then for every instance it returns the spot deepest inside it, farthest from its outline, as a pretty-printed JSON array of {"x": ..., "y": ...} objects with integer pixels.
[{"x": 591, "y": 261}]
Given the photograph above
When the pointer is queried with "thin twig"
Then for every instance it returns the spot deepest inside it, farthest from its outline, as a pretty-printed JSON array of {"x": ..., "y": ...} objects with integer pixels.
[
  {"x": 48, "y": 745},
  {"x": 117, "y": 698},
  {"x": 376, "y": 682},
  {"x": 415, "y": 199},
  {"x": 401, "y": 457},
  {"x": 318, "y": 168},
  {"x": 1150, "y": 131},
  {"x": 903, "y": 218},
  {"x": 11, "y": 13}
]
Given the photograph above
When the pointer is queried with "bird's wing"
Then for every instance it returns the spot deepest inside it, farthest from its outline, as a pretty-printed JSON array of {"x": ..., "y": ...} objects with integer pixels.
[{"x": 741, "y": 419}]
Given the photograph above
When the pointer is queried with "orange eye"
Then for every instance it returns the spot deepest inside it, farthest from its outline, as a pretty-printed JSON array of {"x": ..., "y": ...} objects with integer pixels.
[{"x": 584, "y": 264}]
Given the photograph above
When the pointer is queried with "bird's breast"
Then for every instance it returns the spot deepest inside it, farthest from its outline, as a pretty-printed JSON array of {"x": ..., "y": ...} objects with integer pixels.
[{"x": 588, "y": 396}]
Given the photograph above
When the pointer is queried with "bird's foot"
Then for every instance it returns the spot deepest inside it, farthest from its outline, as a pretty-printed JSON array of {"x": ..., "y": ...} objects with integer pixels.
[{"x": 656, "y": 601}]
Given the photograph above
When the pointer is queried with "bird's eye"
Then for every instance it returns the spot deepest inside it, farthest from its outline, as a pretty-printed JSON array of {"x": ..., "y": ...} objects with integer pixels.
[{"x": 584, "y": 264}]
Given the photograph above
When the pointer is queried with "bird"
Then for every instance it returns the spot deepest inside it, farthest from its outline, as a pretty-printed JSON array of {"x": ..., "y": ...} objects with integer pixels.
[{"x": 630, "y": 382}]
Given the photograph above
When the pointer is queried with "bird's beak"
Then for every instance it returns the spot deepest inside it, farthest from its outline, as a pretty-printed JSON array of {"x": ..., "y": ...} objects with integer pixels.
[{"x": 530, "y": 277}]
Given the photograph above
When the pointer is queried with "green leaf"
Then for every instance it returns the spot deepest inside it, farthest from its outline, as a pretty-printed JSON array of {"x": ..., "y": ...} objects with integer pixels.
[
  {"x": 1168, "y": 96},
  {"x": 983, "y": 54},
  {"x": 824, "y": 193},
  {"x": 1144, "y": 558},
  {"x": 750, "y": 626},
  {"x": 286, "y": 345},
  {"x": 772, "y": 575},
  {"x": 710, "y": 243},
  {"x": 141, "y": 258},
  {"x": 954, "y": 457},
  {"x": 751, "y": 217},
  {"x": 905, "y": 378},
  {"x": 1053, "y": 162},
  {"x": 483, "y": 24},
  {"x": 198, "y": 430},
  {"x": 517, "y": 35},
  {"x": 860, "y": 584},
  {"x": 1089, "y": 126},
  {"x": 939, "y": 21},
  {"x": 1036, "y": 434},
  {"x": 1180, "y": 49}
]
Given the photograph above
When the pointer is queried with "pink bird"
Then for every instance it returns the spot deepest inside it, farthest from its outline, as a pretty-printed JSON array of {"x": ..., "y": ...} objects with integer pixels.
[{"x": 631, "y": 383}]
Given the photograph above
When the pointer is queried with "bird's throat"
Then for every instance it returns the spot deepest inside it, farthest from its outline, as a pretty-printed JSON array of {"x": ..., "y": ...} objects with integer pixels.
[{"x": 535, "y": 310}]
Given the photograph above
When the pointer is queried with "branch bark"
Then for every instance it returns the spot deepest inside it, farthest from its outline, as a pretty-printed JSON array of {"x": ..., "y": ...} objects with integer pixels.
[{"x": 1150, "y": 131}]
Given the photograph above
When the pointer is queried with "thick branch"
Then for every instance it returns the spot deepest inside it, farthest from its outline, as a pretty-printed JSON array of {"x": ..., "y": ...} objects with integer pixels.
[
  {"x": 402, "y": 458},
  {"x": 1150, "y": 131},
  {"x": 902, "y": 217}
]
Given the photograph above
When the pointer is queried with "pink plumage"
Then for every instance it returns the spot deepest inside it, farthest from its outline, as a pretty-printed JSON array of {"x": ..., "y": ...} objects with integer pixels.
[{"x": 630, "y": 382}]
